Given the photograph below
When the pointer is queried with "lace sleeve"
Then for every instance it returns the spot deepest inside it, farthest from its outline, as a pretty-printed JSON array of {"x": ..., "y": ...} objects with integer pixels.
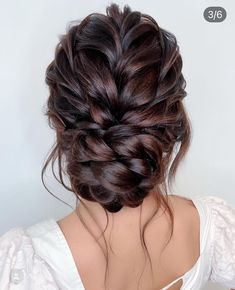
[
  {"x": 20, "y": 267},
  {"x": 223, "y": 260}
]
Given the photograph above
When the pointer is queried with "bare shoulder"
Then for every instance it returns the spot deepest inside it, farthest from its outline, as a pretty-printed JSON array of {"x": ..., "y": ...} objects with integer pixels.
[
  {"x": 185, "y": 209},
  {"x": 187, "y": 231},
  {"x": 182, "y": 201}
]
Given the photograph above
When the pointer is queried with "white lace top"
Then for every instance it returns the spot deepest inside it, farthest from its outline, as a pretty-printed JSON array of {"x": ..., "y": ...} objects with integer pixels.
[{"x": 38, "y": 256}]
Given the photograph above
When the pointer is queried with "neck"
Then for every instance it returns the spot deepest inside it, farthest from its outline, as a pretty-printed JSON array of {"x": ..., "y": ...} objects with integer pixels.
[{"x": 125, "y": 216}]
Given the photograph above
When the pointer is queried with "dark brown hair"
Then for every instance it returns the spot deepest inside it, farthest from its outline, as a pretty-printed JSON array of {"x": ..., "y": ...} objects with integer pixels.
[{"x": 115, "y": 102}]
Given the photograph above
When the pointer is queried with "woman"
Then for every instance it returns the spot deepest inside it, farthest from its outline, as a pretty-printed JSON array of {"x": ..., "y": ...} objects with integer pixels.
[{"x": 116, "y": 91}]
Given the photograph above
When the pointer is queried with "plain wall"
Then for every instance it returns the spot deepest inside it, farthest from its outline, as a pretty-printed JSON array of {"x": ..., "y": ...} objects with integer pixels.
[{"x": 29, "y": 33}]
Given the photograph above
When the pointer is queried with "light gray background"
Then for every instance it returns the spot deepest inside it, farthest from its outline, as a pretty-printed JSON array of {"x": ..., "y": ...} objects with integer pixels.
[{"x": 29, "y": 33}]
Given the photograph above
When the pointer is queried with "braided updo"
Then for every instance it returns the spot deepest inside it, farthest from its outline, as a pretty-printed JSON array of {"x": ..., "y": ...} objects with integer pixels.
[{"x": 116, "y": 91}]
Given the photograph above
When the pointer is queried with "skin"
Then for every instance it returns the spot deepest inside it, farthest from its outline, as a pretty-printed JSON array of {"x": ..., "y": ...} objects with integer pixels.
[{"x": 178, "y": 257}]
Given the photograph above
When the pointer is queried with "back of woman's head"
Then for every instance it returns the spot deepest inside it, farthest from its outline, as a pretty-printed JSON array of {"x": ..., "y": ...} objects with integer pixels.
[{"x": 116, "y": 91}]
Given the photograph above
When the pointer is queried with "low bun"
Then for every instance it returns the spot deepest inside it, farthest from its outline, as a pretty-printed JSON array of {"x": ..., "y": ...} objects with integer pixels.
[
  {"x": 116, "y": 91},
  {"x": 119, "y": 165}
]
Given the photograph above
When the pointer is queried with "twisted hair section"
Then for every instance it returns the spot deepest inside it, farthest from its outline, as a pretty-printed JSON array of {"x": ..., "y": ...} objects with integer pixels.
[{"x": 115, "y": 101}]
